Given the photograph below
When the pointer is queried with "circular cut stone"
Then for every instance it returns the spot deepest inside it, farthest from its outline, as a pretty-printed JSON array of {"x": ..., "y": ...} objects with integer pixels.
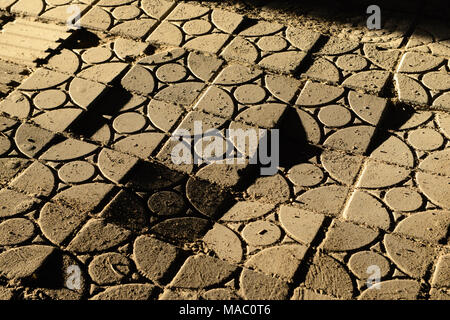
[
  {"x": 437, "y": 81},
  {"x": 171, "y": 72},
  {"x": 225, "y": 243},
  {"x": 15, "y": 231},
  {"x": 403, "y": 199},
  {"x": 76, "y": 172},
  {"x": 50, "y": 99},
  {"x": 397, "y": 289},
  {"x": 425, "y": 139},
  {"x": 109, "y": 268},
  {"x": 250, "y": 94},
  {"x": 443, "y": 120},
  {"x": 335, "y": 116},
  {"x": 272, "y": 43},
  {"x": 261, "y": 233},
  {"x": 274, "y": 189},
  {"x": 305, "y": 175},
  {"x": 351, "y": 62},
  {"x": 129, "y": 122},
  {"x": 364, "y": 263},
  {"x": 14, "y": 203},
  {"x": 97, "y": 55},
  {"x": 436, "y": 188},
  {"x": 126, "y": 12},
  {"x": 326, "y": 199},
  {"x": 5, "y": 145},
  {"x": 197, "y": 27},
  {"x": 166, "y": 203}
]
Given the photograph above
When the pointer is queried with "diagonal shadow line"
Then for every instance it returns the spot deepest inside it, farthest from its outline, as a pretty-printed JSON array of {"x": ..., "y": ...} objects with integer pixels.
[
  {"x": 393, "y": 118},
  {"x": 109, "y": 104}
]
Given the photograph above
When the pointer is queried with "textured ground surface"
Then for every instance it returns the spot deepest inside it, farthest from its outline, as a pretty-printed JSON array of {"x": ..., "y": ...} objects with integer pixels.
[{"x": 87, "y": 182}]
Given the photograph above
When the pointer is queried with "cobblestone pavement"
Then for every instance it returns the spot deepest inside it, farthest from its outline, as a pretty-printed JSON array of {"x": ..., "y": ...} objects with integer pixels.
[{"x": 92, "y": 207}]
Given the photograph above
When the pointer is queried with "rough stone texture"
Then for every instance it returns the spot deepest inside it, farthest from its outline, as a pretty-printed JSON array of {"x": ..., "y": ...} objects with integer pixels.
[
  {"x": 202, "y": 271},
  {"x": 153, "y": 257},
  {"x": 92, "y": 120}
]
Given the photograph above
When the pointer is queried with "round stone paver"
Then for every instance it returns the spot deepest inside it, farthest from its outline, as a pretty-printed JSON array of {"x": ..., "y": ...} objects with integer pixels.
[
  {"x": 236, "y": 74},
  {"x": 344, "y": 236},
  {"x": 109, "y": 268},
  {"x": 366, "y": 209},
  {"x": 153, "y": 257},
  {"x": 351, "y": 62},
  {"x": 97, "y": 55},
  {"x": 261, "y": 233},
  {"x": 301, "y": 225},
  {"x": 50, "y": 99},
  {"x": 415, "y": 62},
  {"x": 166, "y": 203},
  {"x": 324, "y": 199},
  {"x": 5, "y": 145},
  {"x": 437, "y": 81},
  {"x": 171, "y": 72},
  {"x": 335, "y": 116},
  {"x": 6, "y": 123},
  {"x": 250, "y": 94},
  {"x": 397, "y": 289},
  {"x": 315, "y": 94},
  {"x": 129, "y": 291},
  {"x": 273, "y": 189},
  {"x": 443, "y": 120},
  {"x": 346, "y": 203},
  {"x": 15, "y": 231},
  {"x": 434, "y": 186},
  {"x": 246, "y": 210},
  {"x": 225, "y": 243},
  {"x": 272, "y": 43},
  {"x": 76, "y": 172},
  {"x": 197, "y": 27},
  {"x": 129, "y": 122},
  {"x": 425, "y": 139},
  {"x": 202, "y": 271},
  {"x": 126, "y": 12},
  {"x": 220, "y": 294},
  {"x": 305, "y": 175},
  {"x": 182, "y": 230},
  {"x": 258, "y": 286},
  {"x": 403, "y": 199},
  {"x": 279, "y": 261},
  {"x": 361, "y": 262},
  {"x": 213, "y": 148}
]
